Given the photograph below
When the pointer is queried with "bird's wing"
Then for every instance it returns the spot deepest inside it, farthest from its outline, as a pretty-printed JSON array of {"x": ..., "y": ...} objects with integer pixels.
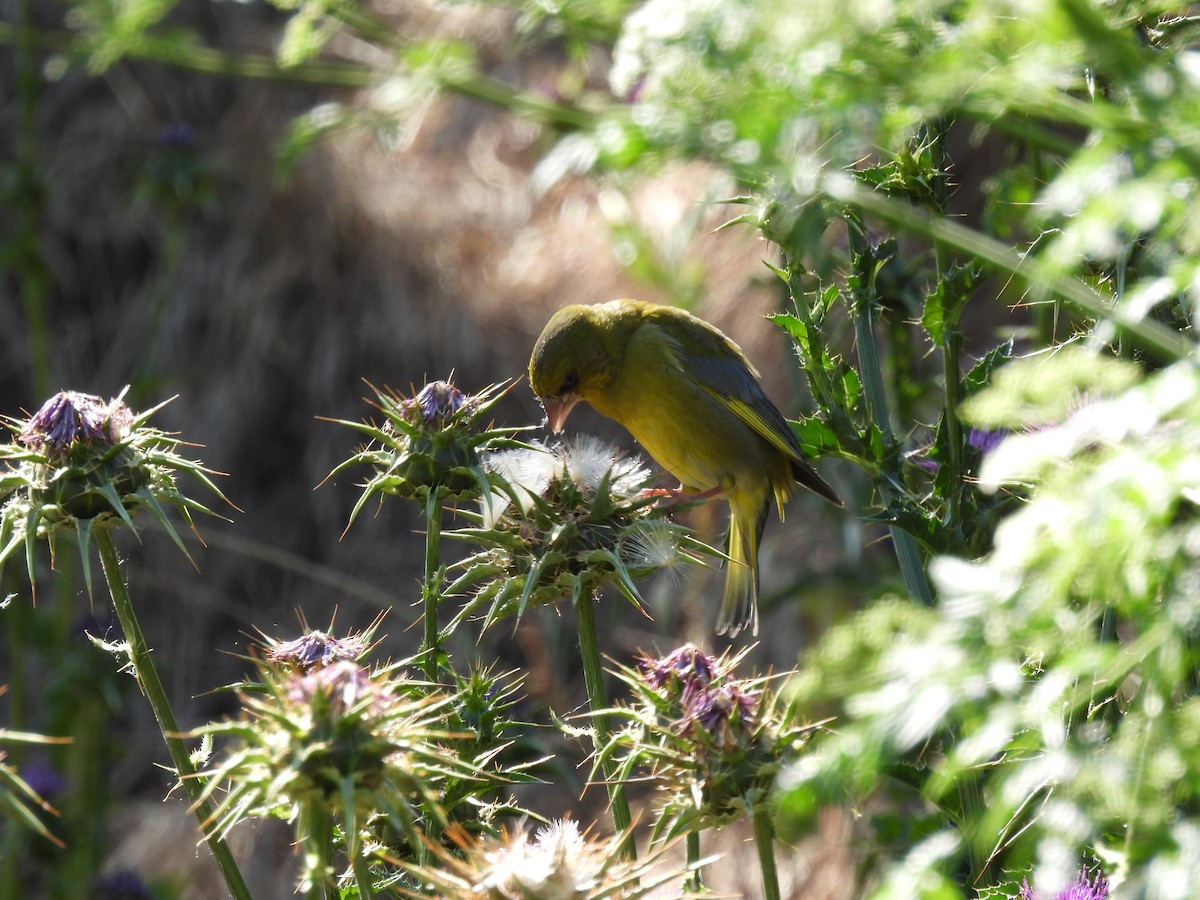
[{"x": 717, "y": 365}]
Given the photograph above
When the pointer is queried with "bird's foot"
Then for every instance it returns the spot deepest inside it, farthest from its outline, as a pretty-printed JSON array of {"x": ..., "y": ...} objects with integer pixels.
[{"x": 670, "y": 497}]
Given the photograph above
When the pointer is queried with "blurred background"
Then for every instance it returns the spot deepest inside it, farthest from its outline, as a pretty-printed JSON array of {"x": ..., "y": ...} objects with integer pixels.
[{"x": 160, "y": 233}]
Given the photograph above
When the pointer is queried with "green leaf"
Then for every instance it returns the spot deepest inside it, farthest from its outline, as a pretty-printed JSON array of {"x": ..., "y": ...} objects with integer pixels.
[
  {"x": 980, "y": 375},
  {"x": 944, "y": 306},
  {"x": 816, "y": 437}
]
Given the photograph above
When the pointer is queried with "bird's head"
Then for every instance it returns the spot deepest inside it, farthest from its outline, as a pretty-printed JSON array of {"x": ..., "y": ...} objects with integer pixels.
[{"x": 571, "y": 361}]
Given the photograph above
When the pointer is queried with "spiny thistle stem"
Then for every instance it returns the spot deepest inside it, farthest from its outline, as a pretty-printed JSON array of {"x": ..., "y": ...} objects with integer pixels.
[
  {"x": 593, "y": 676},
  {"x": 863, "y": 313},
  {"x": 696, "y": 881},
  {"x": 431, "y": 586},
  {"x": 764, "y": 840},
  {"x": 954, "y": 441},
  {"x": 320, "y": 851},
  {"x": 907, "y": 554},
  {"x": 147, "y": 676},
  {"x": 952, "y": 340}
]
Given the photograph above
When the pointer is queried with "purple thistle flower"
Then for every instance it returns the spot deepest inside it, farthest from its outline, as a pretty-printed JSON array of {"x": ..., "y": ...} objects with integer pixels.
[
  {"x": 1084, "y": 887},
  {"x": 315, "y": 650},
  {"x": 691, "y": 665},
  {"x": 438, "y": 401},
  {"x": 984, "y": 440},
  {"x": 721, "y": 710},
  {"x": 70, "y": 417}
]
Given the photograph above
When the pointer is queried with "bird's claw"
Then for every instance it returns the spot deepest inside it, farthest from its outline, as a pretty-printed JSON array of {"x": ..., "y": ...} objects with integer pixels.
[{"x": 671, "y": 497}]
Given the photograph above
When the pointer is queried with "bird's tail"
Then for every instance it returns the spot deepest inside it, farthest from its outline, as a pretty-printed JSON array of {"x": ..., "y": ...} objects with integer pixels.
[{"x": 739, "y": 607}]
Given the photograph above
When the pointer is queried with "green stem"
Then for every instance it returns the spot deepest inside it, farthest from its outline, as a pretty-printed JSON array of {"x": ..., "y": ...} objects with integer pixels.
[
  {"x": 205, "y": 60},
  {"x": 863, "y": 312},
  {"x": 593, "y": 677},
  {"x": 467, "y": 81},
  {"x": 696, "y": 882},
  {"x": 319, "y": 850},
  {"x": 954, "y": 439},
  {"x": 431, "y": 587},
  {"x": 172, "y": 248},
  {"x": 764, "y": 840},
  {"x": 952, "y": 341},
  {"x": 147, "y": 677}
]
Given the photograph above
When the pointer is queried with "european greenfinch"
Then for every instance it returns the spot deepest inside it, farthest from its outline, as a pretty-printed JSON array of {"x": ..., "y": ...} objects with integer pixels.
[{"x": 688, "y": 394}]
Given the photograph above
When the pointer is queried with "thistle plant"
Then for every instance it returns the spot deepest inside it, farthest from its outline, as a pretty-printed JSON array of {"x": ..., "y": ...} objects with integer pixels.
[
  {"x": 85, "y": 467},
  {"x": 428, "y": 449},
  {"x": 368, "y": 765},
  {"x": 80, "y": 464},
  {"x": 329, "y": 750},
  {"x": 565, "y": 521},
  {"x": 710, "y": 742}
]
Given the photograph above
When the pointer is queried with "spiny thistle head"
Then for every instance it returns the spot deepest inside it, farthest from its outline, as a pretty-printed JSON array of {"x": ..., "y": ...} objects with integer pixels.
[
  {"x": 706, "y": 702},
  {"x": 428, "y": 444},
  {"x": 308, "y": 734},
  {"x": 383, "y": 754},
  {"x": 562, "y": 521},
  {"x": 80, "y": 462},
  {"x": 711, "y": 741},
  {"x": 556, "y": 862}
]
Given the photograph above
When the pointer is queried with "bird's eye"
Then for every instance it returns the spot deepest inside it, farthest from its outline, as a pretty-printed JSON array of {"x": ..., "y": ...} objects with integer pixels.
[{"x": 570, "y": 383}]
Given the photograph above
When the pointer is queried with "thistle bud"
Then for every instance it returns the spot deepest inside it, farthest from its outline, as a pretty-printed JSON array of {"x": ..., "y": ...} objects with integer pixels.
[{"x": 367, "y": 746}]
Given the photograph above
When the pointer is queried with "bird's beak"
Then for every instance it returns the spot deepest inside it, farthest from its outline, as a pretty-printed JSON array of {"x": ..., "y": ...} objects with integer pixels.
[{"x": 557, "y": 410}]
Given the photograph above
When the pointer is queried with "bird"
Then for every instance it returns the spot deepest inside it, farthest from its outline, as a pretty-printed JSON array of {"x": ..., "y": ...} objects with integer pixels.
[{"x": 691, "y": 398}]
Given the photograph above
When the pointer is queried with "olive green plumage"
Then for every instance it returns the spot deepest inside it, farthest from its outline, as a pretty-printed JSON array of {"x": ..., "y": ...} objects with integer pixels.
[{"x": 691, "y": 398}]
